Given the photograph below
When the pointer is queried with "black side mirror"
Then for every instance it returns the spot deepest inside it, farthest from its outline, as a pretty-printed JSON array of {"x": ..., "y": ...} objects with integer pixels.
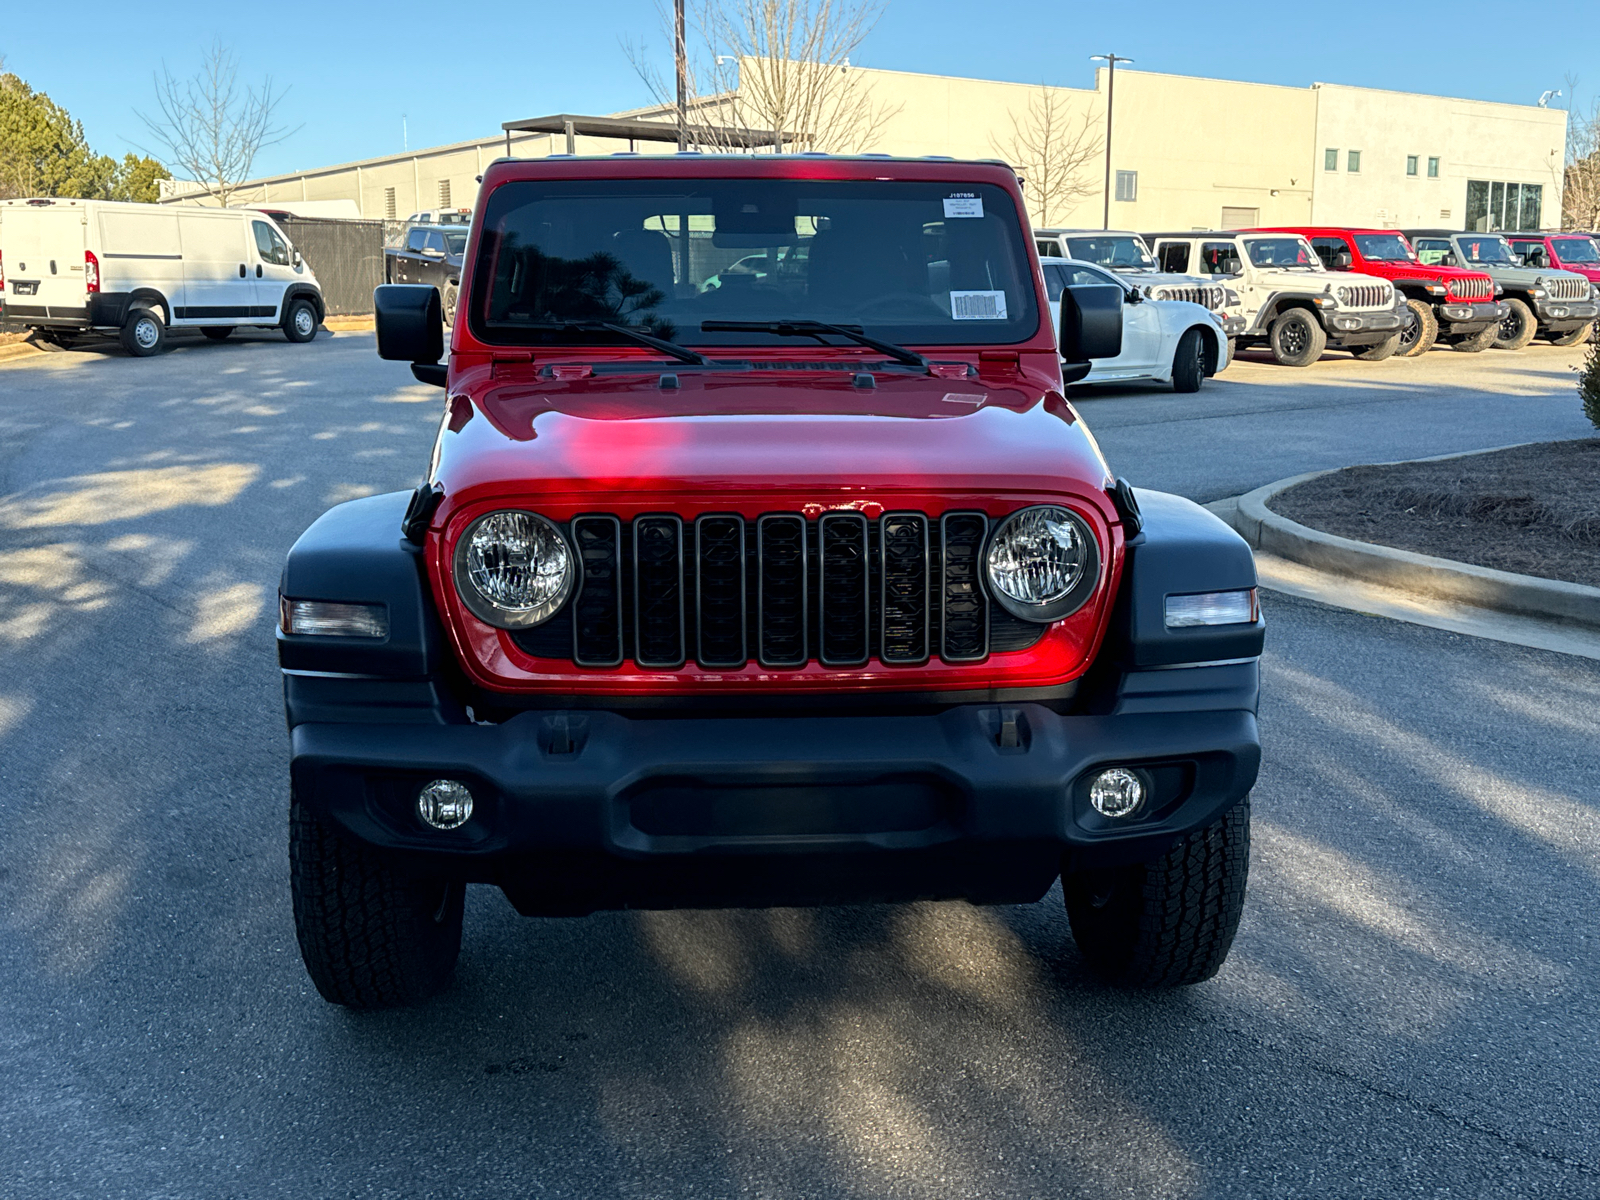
[
  {"x": 1091, "y": 322},
  {"x": 1133, "y": 296},
  {"x": 1343, "y": 261},
  {"x": 410, "y": 322}
]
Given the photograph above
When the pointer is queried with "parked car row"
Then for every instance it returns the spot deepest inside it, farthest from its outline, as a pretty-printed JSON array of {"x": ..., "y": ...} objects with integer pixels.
[{"x": 1376, "y": 292}]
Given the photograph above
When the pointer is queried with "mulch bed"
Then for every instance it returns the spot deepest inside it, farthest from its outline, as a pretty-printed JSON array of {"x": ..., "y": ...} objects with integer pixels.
[{"x": 1533, "y": 509}]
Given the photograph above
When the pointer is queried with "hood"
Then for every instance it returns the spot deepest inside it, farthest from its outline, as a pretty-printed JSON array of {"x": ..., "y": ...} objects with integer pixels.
[
  {"x": 806, "y": 431},
  {"x": 1315, "y": 281},
  {"x": 1156, "y": 278}
]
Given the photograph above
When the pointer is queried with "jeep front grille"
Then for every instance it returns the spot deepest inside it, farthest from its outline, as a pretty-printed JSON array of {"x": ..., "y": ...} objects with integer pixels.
[
  {"x": 1366, "y": 295},
  {"x": 1207, "y": 296},
  {"x": 782, "y": 591},
  {"x": 1569, "y": 288},
  {"x": 1471, "y": 289}
]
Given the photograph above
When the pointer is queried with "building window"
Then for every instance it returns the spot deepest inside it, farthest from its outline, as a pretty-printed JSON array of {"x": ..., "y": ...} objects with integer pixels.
[
  {"x": 1492, "y": 206},
  {"x": 1353, "y": 163},
  {"x": 444, "y": 193},
  {"x": 1433, "y": 168},
  {"x": 1411, "y": 164},
  {"x": 388, "y": 204},
  {"x": 1330, "y": 160},
  {"x": 1127, "y": 185}
]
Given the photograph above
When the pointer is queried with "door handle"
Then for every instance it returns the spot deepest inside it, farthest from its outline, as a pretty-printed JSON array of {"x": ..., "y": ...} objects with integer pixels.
[
  {"x": 241, "y": 270},
  {"x": 258, "y": 270}
]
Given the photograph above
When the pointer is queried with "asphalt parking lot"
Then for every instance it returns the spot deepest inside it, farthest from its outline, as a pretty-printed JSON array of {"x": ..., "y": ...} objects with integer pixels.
[{"x": 1411, "y": 1007}]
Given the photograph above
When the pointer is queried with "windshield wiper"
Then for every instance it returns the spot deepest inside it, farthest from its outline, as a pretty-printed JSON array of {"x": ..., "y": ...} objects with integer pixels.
[
  {"x": 681, "y": 353},
  {"x": 815, "y": 329}
]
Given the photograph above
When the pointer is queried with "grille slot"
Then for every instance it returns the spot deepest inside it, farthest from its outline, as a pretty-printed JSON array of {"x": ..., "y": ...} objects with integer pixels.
[
  {"x": 658, "y": 591},
  {"x": 720, "y": 592},
  {"x": 843, "y": 603},
  {"x": 906, "y": 600},
  {"x": 781, "y": 590},
  {"x": 597, "y": 608},
  {"x": 964, "y": 629}
]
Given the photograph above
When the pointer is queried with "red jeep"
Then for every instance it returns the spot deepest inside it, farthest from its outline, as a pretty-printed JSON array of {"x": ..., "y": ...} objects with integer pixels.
[
  {"x": 1448, "y": 304},
  {"x": 803, "y": 586}
]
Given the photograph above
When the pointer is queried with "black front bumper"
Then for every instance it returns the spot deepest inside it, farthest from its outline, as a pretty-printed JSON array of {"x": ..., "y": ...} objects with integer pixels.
[
  {"x": 1562, "y": 316},
  {"x": 576, "y": 811},
  {"x": 1346, "y": 328},
  {"x": 1468, "y": 316}
]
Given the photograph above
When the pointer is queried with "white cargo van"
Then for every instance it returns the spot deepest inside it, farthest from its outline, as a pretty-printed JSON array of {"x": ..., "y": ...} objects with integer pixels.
[{"x": 67, "y": 266}]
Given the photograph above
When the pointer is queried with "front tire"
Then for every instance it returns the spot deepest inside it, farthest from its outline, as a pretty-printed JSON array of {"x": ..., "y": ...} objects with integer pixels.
[
  {"x": 1189, "y": 363},
  {"x": 1420, "y": 332},
  {"x": 1573, "y": 336},
  {"x": 1477, "y": 343},
  {"x": 1170, "y": 922},
  {"x": 447, "y": 304},
  {"x": 1516, "y": 328},
  {"x": 144, "y": 333},
  {"x": 300, "y": 321},
  {"x": 1378, "y": 351},
  {"x": 370, "y": 937},
  {"x": 1297, "y": 338}
]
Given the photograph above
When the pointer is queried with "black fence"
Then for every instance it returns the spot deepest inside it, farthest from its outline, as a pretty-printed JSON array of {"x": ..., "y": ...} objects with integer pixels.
[{"x": 347, "y": 257}]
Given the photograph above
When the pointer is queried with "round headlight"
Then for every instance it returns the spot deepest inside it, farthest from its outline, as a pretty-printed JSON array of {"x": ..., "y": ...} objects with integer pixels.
[
  {"x": 1159, "y": 294},
  {"x": 513, "y": 569},
  {"x": 1344, "y": 295},
  {"x": 1043, "y": 563}
]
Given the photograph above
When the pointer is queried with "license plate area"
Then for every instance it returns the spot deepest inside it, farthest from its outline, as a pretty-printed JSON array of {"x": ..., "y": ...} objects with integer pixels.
[{"x": 25, "y": 287}]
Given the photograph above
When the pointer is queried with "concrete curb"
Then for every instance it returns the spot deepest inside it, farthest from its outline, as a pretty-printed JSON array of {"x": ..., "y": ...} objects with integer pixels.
[
  {"x": 1465, "y": 583},
  {"x": 13, "y": 350}
]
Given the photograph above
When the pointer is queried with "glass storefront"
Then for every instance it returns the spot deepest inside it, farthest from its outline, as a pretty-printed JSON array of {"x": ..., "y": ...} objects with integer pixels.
[{"x": 1492, "y": 207}]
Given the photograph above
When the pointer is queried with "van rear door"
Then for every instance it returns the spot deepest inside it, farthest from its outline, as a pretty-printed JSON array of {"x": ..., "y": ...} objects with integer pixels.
[
  {"x": 217, "y": 287},
  {"x": 42, "y": 246}
]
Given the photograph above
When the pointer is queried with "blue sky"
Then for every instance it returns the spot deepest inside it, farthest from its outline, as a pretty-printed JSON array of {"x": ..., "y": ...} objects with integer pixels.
[{"x": 354, "y": 69}]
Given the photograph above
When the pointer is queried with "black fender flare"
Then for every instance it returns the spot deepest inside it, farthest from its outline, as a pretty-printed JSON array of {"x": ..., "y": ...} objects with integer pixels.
[
  {"x": 1180, "y": 549},
  {"x": 146, "y": 297}
]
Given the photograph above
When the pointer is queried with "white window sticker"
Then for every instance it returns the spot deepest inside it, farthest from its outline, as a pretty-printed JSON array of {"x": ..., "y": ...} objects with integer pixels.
[
  {"x": 978, "y": 306},
  {"x": 963, "y": 204}
]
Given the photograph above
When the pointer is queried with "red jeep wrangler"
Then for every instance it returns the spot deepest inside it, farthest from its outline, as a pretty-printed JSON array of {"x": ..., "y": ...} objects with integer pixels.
[
  {"x": 780, "y": 586},
  {"x": 1448, "y": 304}
]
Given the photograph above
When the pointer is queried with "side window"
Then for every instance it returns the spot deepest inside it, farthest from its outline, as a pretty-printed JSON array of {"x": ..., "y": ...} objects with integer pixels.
[
  {"x": 1329, "y": 248},
  {"x": 435, "y": 241},
  {"x": 1047, "y": 249},
  {"x": 272, "y": 248},
  {"x": 415, "y": 240},
  {"x": 1219, "y": 258},
  {"x": 1088, "y": 277},
  {"x": 1533, "y": 253},
  {"x": 1434, "y": 252},
  {"x": 1174, "y": 257},
  {"x": 1055, "y": 281}
]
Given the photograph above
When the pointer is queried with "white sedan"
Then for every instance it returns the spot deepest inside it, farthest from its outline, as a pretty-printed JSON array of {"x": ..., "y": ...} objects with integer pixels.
[{"x": 1170, "y": 341}]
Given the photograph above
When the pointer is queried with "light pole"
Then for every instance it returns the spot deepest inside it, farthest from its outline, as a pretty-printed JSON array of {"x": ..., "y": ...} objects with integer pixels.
[
  {"x": 680, "y": 55},
  {"x": 1111, "y": 97}
]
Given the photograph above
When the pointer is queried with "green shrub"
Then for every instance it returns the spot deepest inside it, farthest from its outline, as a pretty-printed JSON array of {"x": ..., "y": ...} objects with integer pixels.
[{"x": 1589, "y": 385}]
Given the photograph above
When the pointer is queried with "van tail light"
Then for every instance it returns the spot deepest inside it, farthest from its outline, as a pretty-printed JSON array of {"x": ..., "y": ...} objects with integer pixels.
[
  {"x": 91, "y": 272},
  {"x": 2, "y": 274}
]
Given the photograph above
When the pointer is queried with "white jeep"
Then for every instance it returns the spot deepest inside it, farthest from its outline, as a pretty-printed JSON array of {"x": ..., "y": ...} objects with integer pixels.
[{"x": 1290, "y": 302}]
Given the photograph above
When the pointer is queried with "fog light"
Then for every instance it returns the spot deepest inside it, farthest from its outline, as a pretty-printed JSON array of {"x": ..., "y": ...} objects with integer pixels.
[
  {"x": 1117, "y": 793},
  {"x": 445, "y": 804}
]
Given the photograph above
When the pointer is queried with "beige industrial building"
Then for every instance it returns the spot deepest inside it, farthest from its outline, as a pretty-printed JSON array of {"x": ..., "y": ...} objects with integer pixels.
[{"x": 1187, "y": 153}]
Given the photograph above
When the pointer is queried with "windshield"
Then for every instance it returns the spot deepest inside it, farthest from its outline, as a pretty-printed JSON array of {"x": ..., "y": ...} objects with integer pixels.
[
  {"x": 1282, "y": 252},
  {"x": 1576, "y": 250},
  {"x": 907, "y": 261},
  {"x": 1125, "y": 252},
  {"x": 1477, "y": 248},
  {"x": 1384, "y": 247}
]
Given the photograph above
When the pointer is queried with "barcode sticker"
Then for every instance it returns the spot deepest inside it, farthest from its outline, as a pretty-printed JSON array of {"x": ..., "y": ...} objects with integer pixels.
[
  {"x": 963, "y": 204},
  {"x": 978, "y": 306}
]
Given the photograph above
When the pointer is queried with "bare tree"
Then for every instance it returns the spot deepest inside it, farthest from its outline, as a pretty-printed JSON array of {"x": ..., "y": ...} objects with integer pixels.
[
  {"x": 1050, "y": 147},
  {"x": 781, "y": 66},
  {"x": 1580, "y": 190},
  {"x": 212, "y": 126}
]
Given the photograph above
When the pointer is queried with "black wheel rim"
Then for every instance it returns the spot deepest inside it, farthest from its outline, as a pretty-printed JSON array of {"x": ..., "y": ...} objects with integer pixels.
[
  {"x": 1511, "y": 326},
  {"x": 1411, "y": 331},
  {"x": 1294, "y": 338}
]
